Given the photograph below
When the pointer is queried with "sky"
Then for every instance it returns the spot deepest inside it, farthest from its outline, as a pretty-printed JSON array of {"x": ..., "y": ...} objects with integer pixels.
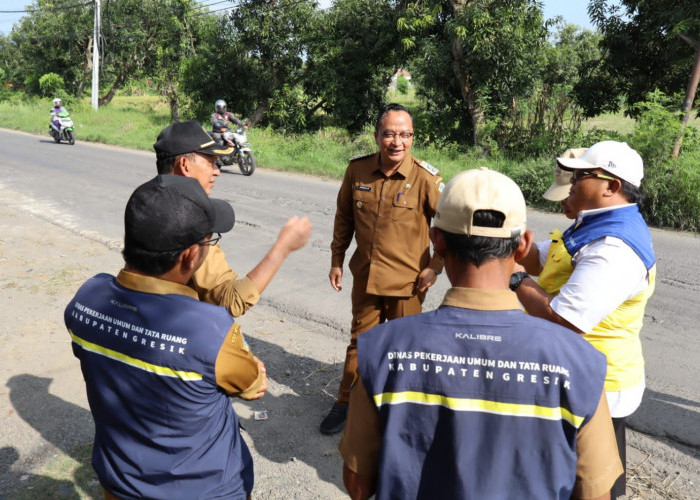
[{"x": 573, "y": 11}]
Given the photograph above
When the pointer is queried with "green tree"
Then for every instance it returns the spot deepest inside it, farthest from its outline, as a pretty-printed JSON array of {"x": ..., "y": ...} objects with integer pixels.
[
  {"x": 472, "y": 58},
  {"x": 178, "y": 29},
  {"x": 643, "y": 50},
  {"x": 54, "y": 39},
  {"x": 51, "y": 85},
  {"x": 402, "y": 84},
  {"x": 9, "y": 61},
  {"x": 146, "y": 38},
  {"x": 139, "y": 39},
  {"x": 352, "y": 59},
  {"x": 252, "y": 59},
  {"x": 548, "y": 120}
]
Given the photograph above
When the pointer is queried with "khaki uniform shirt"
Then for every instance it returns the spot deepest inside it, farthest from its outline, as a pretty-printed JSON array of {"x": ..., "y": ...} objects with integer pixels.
[
  {"x": 390, "y": 218},
  {"x": 215, "y": 282},
  {"x": 237, "y": 371}
]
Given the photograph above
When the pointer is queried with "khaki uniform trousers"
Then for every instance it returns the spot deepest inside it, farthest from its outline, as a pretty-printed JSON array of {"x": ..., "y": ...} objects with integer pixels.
[{"x": 369, "y": 311}]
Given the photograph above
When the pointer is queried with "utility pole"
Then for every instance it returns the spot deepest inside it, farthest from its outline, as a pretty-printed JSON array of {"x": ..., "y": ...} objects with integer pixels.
[{"x": 96, "y": 56}]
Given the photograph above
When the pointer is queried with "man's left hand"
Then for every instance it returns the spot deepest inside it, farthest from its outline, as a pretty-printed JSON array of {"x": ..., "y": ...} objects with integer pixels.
[
  {"x": 263, "y": 386},
  {"x": 426, "y": 279}
]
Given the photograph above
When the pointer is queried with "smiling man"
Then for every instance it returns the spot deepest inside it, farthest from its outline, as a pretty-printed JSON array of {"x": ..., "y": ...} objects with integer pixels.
[
  {"x": 386, "y": 201},
  {"x": 604, "y": 268}
]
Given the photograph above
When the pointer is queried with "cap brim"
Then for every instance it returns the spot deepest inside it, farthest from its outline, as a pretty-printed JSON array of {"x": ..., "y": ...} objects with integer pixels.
[
  {"x": 224, "y": 216},
  {"x": 557, "y": 192},
  {"x": 574, "y": 163},
  {"x": 215, "y": 150}
]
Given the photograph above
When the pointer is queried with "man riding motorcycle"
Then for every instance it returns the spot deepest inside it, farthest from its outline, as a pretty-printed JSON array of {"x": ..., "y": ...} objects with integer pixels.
[
  {"x": 235, "y": 138},
  {"x": 221, "y": 118},
  {"x": 57, "y": 108}
]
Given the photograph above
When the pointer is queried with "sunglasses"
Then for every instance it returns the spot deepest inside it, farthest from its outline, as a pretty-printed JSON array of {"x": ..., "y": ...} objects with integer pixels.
[{"x": 584, "y": 174}]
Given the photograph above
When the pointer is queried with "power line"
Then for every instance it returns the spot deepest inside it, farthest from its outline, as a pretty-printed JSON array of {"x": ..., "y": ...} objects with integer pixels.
[
  {"x": 78, "y": 36},
  {"x": 203, "y": 6},
  {"x": 238, "y": 6},
  {"x": 204, "y": 13},
  {"x": 47, "y": 9}
]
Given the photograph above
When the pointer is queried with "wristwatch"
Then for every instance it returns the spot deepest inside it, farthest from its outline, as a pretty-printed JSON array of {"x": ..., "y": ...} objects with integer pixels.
[{"x": 516, "y": 279}]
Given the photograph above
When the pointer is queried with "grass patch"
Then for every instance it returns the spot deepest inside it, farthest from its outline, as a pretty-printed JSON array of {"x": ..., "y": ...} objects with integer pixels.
[
  {"x": 131, "y": 122},
  {"x": 609, "y": 121}
]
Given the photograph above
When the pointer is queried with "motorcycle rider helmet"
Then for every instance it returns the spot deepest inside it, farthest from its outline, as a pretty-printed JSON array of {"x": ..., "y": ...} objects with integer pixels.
[
  {"x": 57, "y": 102},
  {"x": 220, "y": 106}
]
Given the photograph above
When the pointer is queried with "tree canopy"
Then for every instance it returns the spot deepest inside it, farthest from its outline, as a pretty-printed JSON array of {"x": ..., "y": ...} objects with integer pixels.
[
  {"x": 645, "y": 47},
  {"x": 473, "y": 58},
  {"x": 491, "y": 73}
]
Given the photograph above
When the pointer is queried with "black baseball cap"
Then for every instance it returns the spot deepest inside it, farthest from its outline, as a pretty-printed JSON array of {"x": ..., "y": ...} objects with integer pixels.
[
  {"x": 180, "y": 138},
  {"x": 172, "y": 212}
]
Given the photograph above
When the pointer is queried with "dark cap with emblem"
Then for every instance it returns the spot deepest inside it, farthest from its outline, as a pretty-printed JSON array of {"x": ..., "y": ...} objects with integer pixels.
[
  {"x": 172, "y": 212},
  {"x": 180, "y": 138}
]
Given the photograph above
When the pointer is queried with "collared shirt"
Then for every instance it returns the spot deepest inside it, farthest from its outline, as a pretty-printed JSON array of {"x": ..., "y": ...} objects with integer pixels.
[
  {"x": 390, "y": 219},
  {"x": 236, "y": 369},
  {"x": 607, "y": 272},
  {"x": 597, "y": 464},
  {"x": 215, "y": 282}
]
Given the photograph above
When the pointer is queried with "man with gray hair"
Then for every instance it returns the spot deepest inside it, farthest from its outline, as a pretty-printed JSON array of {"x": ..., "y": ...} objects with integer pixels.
[{"x": 186, "y": 149}]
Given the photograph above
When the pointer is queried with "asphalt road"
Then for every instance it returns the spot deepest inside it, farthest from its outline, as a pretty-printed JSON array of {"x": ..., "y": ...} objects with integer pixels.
[{"x": 84, "y": 188}]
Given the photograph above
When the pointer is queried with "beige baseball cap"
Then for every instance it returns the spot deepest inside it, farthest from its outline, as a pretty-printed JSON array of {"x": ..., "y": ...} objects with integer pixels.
[
  {"x": 481, "y": 189},
  {"x": 616, "y": 158},
  {"x": 562, "y": 178}
]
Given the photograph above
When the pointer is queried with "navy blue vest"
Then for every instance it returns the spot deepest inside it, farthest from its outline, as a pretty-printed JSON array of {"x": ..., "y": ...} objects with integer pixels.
[
  {"x": 163, "y": 428},
  {"x": 479, "y": 404},
  {"x": 624, "y": 223}
]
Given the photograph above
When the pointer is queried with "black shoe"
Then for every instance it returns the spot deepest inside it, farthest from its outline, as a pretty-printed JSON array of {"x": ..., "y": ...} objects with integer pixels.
[{"x": 335, "y": 420}]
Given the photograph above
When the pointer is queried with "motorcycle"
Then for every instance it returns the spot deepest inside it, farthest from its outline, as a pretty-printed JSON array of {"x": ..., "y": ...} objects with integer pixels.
[
  {"x": 241, "y": 154},
  {"x": 65, "y": 133}
]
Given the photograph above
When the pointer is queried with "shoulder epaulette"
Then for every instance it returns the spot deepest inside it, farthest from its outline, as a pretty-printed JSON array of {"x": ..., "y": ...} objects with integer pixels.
[
  {"x": 427, "y": 166},
  {"x": 359, "y": 157}
]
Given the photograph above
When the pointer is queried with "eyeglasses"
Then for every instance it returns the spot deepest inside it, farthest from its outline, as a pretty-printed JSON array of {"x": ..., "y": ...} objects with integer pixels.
[
  {"x": 210, "y": 159},
  {"x": 388, "y": 135},
  {"x": 212, "y": 241},
  {"x": 583, "y": 174}
]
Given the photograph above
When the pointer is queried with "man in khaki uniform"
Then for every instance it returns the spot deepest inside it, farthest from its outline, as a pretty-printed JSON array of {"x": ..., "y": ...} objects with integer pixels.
[
  {"x": 387, "y": 200},
  {"x": 185, "y": 148}
]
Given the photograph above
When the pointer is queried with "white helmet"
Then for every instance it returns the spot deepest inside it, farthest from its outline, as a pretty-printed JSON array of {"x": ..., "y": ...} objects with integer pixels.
[
  {"x": 220, "y": 106},
  {"x": 57, "y": 102}
]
